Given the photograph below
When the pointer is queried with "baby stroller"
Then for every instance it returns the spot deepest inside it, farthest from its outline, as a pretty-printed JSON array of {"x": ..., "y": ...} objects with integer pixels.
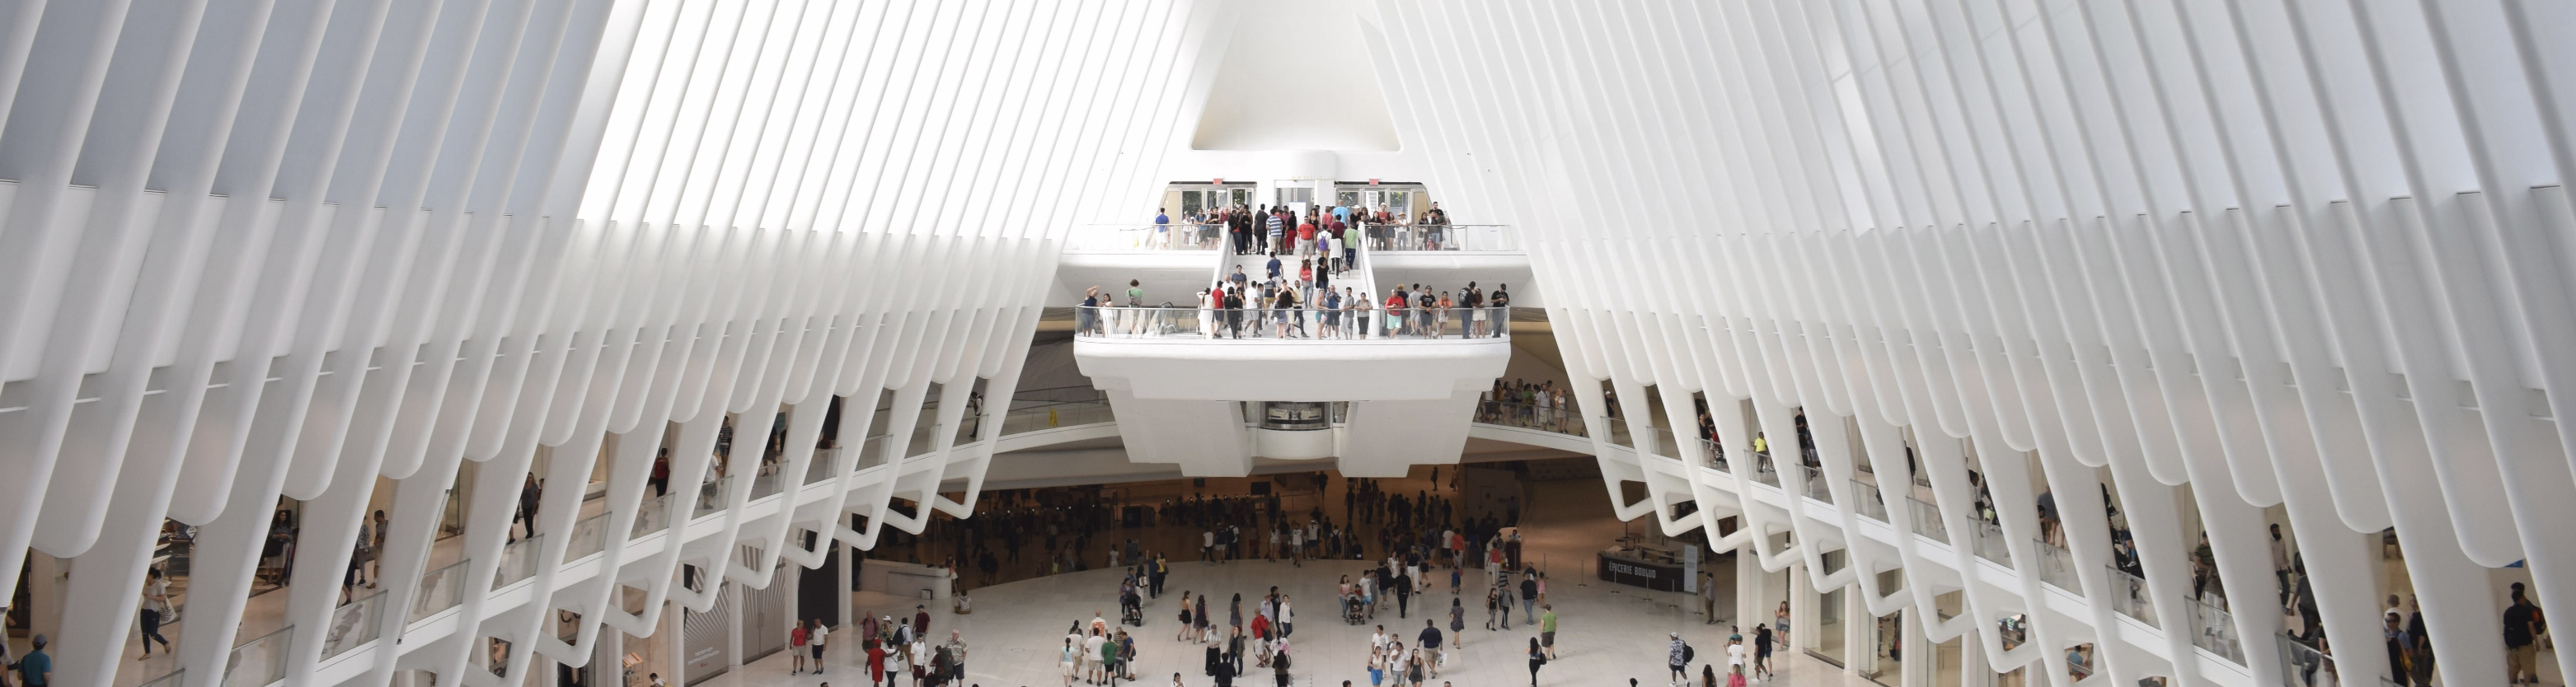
[
  {"x": 1131, "y": 610},
  {"x": 1354, "y": 610}
]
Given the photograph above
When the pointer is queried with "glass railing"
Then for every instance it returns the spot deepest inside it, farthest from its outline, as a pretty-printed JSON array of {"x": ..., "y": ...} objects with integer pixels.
[
  {"x": 653, "y": 515},
  {"x": 171, "y": 680},
  {"x": 353, "y": 624},
  {"x": 1927, "y": 519},
  {"x": 2057, "y": 566},
  {"x": 1988, "y": 540},
  {"x": 1716, "y": 453},
  {"x": 1763, "y": 470},
  {"x": 260, "y": 661},
  {"x": 819, "y": 467},
  {"x": 2129, "y": 597},
  {"x": 711, "y": 497},
  {"x": 1664, "y": 443},
  {"x": 518, "y": 562},
  {"x": 872, "y": 452},
  {"x": 2076, "y": 668},
  {"x": 1873, "y": 505},
  {"x": 588, "y": 537},
  {"x": 766, "y": 482},
  {"x": 1147, "y": 236},
  {"x": 1618, "y": 432},
  {"x": 1442, "y": 237},
  {"x": 2302, "y": 665},
  {"x": 2214, "y": 630},
  {"x": 1291, "y": 324},
  {"x": 440, "y": 590},
  {"x": 1526, "y": 416},
  {"x": 1817, "y": 488},
  {"x": 1053, "y": 415}
]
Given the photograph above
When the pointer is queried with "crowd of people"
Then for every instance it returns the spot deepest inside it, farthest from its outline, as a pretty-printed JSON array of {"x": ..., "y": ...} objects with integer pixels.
[
  {"x": 1300, "y": 305},
  {"x": 1535, "y": 405},
  {"x": 1270, "y": 228},
  {"x": 894, "y": 648},
  {"x": 1299, "y": 300}
]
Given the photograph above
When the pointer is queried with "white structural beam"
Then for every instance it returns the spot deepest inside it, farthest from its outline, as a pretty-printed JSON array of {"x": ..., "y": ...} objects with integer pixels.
[
  {"x": 2241, "y": 257},
  {"x": 307, "y": 248}
]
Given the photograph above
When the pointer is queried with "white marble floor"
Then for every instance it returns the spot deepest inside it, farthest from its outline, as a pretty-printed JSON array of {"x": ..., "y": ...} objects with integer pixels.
[{"x": 1608, "y": 633}]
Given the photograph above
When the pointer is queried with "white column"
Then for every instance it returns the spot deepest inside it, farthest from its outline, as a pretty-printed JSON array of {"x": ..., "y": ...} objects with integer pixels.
[
  {"x": 1915, "y": 662},
  {"x": 1860, "y": 632},
  {"x": 675, "y": 645},
  {"x": 841, "y": 582},
  {"x": 1749, "y": 580},
  {"x": 733, "y": 630}
]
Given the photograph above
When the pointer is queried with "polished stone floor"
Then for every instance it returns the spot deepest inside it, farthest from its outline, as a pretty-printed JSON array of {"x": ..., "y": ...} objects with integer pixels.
[{"x": 1607, "y": 633}]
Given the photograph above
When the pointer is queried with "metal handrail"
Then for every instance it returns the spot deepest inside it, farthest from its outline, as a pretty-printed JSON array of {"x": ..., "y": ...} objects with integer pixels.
[{"x": 1291, "y": 324}]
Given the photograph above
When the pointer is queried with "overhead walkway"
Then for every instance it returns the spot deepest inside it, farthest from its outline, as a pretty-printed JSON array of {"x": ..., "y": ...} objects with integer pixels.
[{"x": 1200, "y": 385}]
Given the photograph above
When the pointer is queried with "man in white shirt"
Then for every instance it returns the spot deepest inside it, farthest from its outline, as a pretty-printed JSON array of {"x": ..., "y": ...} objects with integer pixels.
[
  {"x": 1091, "y": 650},
  {"x": 1207, "y": 546},
  {"x": 814, "y": 638}
]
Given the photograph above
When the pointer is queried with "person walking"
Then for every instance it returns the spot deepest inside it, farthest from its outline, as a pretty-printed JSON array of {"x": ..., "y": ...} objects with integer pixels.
[
  {"x": 814, "y": 640},
  {"x": 156, "y": 598},
  {"x": 1279, "y": 667},
  {"x": 1547, "y": 629},
  {"x": 1529, "y": 598},
  {"x": 877, "y": 663},
  {"x": 1762, "y": 639},
  {"x": 1677, "y": 657},
  {"x": 2521, "y": 628},
  {"x": 1457, "y": 622},
  {"x": 796, "y": 649},
  {"x": 1536, "y": 658},
  {"x": 1430, "y": 639}
]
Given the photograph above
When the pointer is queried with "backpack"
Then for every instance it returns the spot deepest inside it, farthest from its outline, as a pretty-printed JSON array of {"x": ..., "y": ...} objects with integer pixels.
[{"x": 1688, "y": 653}]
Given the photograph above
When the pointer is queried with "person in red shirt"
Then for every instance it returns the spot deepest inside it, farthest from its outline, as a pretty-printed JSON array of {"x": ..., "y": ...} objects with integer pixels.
[
  {"x": 1306, "y": 237},
  {"x": 876, "y": 662},
  {"x": 796, "y": 648}
]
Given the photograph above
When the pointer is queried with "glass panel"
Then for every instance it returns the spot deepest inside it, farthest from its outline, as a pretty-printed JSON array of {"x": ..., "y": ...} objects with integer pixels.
[
  {"x": 1817, "y": 488},
  {"x": 2129, "y": 597},
  {"x": 1873, "y": 505},
  {"x": 819, "y": 467},
  {"x": 1829, "y": 625},
  {"x": 518, "y": 562},
  {"x": 1716, "y": 453},
  {"x": 171, "y": 680},
  {"x": 1618, "y": 431},
  {"x": 711, "y": 497},
  {"x": 1988, "y": 538},
  {"x": 1526, "y": 416},
  {"x": 2057, "y": 566},
  {"x": 259, "y": 662},
  {"x": 2301, "y": 664},
  {"x": 353, "y": 624},
  {"x": 653, "y": 515},
  {"x": 1180, "y": 235},
  {"x": 1444, "y": 237},
  {"x": 2214, "y": 630},
  {"x": 1309, "y": 323},
  {"x": 440, "y": 590},
  {"x": 1664, "y": 443},
  {"x": 766, "y": 483},
  {"x": 872, "y": 452},
  {"x": 1927, "y": 519},
  {"x": 588, "y": 537},
  {"x": 1054, "y": 415},
  {"x": 1763, "y": 471}
]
